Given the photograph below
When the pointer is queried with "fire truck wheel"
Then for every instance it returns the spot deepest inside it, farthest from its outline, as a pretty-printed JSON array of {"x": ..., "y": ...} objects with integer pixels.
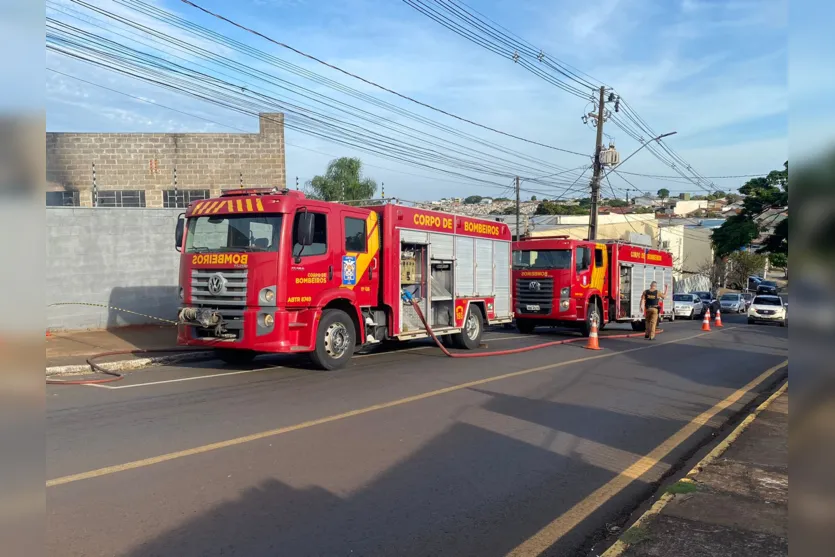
[
  {"x": 592, "y": 315},
  {"x": 470, "y": 337},
  {"x": 525, "y": 326},
  {"x": 334, "y": 340},
  {"x": 234, "y": 357}
]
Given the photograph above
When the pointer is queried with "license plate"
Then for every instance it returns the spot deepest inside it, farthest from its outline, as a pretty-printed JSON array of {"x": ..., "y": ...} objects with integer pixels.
[{"x": 532, "y": 307}]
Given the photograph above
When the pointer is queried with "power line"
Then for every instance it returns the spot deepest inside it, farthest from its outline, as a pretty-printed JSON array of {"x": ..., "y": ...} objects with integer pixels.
[
  {"x": 372, "y": 83},
  {"x": 310, "y": 94}
]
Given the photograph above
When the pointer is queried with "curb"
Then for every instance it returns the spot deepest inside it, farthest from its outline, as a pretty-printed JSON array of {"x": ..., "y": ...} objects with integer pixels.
[
  {"x": 128, "y": 365},
  {"x": 617, "y": 549}
]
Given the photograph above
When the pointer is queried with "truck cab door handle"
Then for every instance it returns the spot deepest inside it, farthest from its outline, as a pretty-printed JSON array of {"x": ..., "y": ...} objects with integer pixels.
[
  {"x": 330, "y": 272},
  {"x": 372, "y": 268}
]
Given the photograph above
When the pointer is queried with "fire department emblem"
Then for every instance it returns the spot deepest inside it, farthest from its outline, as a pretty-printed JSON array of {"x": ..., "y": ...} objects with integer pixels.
[
  {"x": 459, "y": 313},
  {"x": 349, "y": 270},
  {"x": 217, "y": 284},
  {"x": 534, "y": 286}
]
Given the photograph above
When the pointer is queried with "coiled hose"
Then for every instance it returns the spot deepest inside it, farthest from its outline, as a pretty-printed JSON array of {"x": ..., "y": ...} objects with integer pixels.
[
  {"x": 407, "y": 297},
  {"x": 115, "y": 375}
]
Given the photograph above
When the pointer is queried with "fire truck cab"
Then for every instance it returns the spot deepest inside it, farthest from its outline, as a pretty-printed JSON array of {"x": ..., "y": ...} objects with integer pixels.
[
  {"x": 559, "y": 281},
  {"x": 267, "y": 271}
]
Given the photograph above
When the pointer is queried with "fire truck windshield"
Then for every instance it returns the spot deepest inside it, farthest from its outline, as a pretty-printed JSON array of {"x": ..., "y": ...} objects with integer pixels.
[
  {"x": 553, "y": 259},
  {"x": 231, "y": 233}
]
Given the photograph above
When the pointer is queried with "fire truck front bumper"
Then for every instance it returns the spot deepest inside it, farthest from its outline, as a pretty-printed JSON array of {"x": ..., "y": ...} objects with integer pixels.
[
  {"x": 258, "y": 329},
  {"x": 556, "y": 309}
]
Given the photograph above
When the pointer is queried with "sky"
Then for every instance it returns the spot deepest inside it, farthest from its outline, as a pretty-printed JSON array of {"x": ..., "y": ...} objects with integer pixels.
[{"x": 713, "y": 71}]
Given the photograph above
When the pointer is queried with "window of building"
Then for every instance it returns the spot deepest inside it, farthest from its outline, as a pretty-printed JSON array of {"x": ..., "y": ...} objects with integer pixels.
[
  {"x": 583, "y": 259},
  {"x": 62, "y": 199},
  {"x": 121, "y": 198},
  {"x": 355, "y": 239},
  {"x": 320, "y": 236},
  {"x": 182, "y": 198},
  {"x": 598, "y": 258}
]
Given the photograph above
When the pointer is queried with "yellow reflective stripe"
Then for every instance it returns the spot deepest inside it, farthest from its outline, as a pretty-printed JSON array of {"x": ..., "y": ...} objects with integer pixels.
[
  {"x": 240, "y": 206},
  {"x": 249, "y": 205},
  {"x": 199, "y": 208},
  {"x": 209, "y": 206},
  {"x": 230, "y": 206},
  {"x": 259, "y": 205},
  {"x": 217, "y": 206}
]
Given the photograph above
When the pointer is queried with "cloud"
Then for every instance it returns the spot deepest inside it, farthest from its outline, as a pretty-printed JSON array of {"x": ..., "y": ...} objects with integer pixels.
[{"x": 711, "y": 77}]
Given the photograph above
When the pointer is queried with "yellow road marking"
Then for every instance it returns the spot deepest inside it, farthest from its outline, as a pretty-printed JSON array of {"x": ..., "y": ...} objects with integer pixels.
[
  {"x": 563, "y": 524},
  {"x": 350, "y": 414}
]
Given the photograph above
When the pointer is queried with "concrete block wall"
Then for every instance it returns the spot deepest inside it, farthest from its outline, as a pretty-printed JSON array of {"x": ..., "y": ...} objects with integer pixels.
[
  {"x": 146, "y": 161},
  {"x": 117, "y": 257}
]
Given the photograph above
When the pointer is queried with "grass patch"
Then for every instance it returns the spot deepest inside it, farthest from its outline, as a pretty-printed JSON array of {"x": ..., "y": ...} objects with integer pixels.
[
  {"x": 635, "y": 535},
  {"x": 682, "y": 487}
]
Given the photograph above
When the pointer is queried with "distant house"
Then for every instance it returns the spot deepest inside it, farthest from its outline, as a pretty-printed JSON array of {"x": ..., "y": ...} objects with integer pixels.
[
  {"x": 646, "y": 201},
  {"x": 736, "y": 207},
  {"x": 486, "y": 201}
]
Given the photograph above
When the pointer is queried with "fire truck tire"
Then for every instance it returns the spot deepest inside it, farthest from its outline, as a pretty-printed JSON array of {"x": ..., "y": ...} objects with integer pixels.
[
  {"x": 591, "y": 314},
  {"x": 235, "y": 357},
  {"x": 470, "y": 337},
  {"x": 335, "y": 340},
  {"x": 525, "y": 326}
]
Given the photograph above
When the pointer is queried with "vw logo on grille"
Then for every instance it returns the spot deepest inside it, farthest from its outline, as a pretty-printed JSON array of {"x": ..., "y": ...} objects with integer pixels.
[
  {"x": 217, "y": 284},
  {"x": 534, "y": 285}
]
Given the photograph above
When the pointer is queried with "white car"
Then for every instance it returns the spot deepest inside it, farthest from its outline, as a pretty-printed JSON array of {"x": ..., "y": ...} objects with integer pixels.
[
  {"x": 768, "y": 309},
  {"x": 687, "y": 306}
]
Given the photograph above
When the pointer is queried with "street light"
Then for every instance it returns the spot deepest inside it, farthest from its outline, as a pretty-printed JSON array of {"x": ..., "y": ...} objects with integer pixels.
[{"x": 659, "y": 138}]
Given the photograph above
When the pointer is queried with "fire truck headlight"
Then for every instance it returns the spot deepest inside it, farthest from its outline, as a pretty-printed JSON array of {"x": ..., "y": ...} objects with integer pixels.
[
  {"x": 268, "y": 320},
  {"x": 182, "y": 294},
  {"x": 266, "y": 297},
  {"x": 564, "y": 305},
  {"x": 564, "y": 292}
]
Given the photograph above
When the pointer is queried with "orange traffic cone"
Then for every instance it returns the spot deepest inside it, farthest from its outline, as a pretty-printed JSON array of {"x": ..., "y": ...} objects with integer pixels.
[
  {"x": 718, "y": 322},
  {"x": 592, "y": 344},
  {"x": 706, "y": 321}
]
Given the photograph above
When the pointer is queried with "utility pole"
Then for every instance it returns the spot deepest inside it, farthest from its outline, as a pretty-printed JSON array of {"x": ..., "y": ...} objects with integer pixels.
[
  {"x": 595, "y": 181},
  {"x": 518, "y": 210}
]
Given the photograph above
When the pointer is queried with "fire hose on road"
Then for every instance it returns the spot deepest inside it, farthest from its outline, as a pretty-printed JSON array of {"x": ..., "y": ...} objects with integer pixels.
[{"x": 408, "y": 298}]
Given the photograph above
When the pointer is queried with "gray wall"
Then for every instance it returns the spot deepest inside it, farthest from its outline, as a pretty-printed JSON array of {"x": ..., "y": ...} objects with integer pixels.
[
  {"x": 116, "y": 257},
  {"x": 146, "y": 161}
]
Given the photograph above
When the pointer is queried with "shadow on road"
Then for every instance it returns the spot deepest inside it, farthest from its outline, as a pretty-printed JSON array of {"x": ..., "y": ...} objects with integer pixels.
[{"x": 469, "y": 491}]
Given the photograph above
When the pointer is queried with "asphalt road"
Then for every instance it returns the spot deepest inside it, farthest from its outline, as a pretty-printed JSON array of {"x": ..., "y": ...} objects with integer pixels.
[{"x": 403, "y": 453}]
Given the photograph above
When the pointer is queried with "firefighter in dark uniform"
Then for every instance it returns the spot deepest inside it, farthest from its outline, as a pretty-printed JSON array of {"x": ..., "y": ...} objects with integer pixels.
[{"x": 649, "y": 305}]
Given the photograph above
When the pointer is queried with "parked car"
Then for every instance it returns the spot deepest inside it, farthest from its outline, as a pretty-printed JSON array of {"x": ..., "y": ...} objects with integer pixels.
[
  {"x": 687, "y": 306},
  {"x": 748, "y": 297},
  {"x": 768, "y": 289},
  {"x": 768, "y": 309},
  {"x": 732, "y": 302}
]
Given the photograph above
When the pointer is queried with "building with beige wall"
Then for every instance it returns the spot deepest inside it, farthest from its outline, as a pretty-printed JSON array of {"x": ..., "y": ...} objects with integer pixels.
[{"x": 144, "y": 169}]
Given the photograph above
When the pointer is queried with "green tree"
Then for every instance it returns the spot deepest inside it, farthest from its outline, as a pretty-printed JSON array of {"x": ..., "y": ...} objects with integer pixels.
[
  {"x": 663, "y": 193},
  {"x": 617, "y": 203},
  {"x": 533, "y": 198},
  {"x": 502, "y": 199},
  {"x": 761, "y": 194},
  {"x": 779, "y": 260},
  {"x": 553, "y": 208},
  {"x": 342, "y": 181},
  {"x": 472, "y": 200},
  {"x": 585, "y": 202},
  {"x": 743, "y": 264}
]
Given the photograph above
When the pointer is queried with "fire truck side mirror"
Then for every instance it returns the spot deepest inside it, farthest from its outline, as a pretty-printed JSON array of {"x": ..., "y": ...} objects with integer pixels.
[
  {"x": 304, "y": 229},
  {"x": 180, "y": 232}
]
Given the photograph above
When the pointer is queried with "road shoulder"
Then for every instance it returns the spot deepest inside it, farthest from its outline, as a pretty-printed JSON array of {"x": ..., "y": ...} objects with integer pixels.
[{"x": 734, "y": 502}]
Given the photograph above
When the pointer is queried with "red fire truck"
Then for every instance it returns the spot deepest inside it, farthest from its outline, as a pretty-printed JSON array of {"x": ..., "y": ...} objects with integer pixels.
[
  {"x": 268, "y": 271},
  {"x": 563, "y": 282}
]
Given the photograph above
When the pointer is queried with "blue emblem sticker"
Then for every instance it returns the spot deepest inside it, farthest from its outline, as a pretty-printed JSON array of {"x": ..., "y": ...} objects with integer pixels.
[{"x": 349, "y": 270}]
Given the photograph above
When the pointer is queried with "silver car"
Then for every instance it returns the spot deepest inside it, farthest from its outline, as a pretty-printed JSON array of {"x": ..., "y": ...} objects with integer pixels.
[
  {"x": 732, "y": 302},
  {"x": 687, "y": 306}
]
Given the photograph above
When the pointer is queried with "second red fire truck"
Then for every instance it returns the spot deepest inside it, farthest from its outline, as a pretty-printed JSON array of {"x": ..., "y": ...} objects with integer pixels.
[{"x": 558, "y": 281}]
